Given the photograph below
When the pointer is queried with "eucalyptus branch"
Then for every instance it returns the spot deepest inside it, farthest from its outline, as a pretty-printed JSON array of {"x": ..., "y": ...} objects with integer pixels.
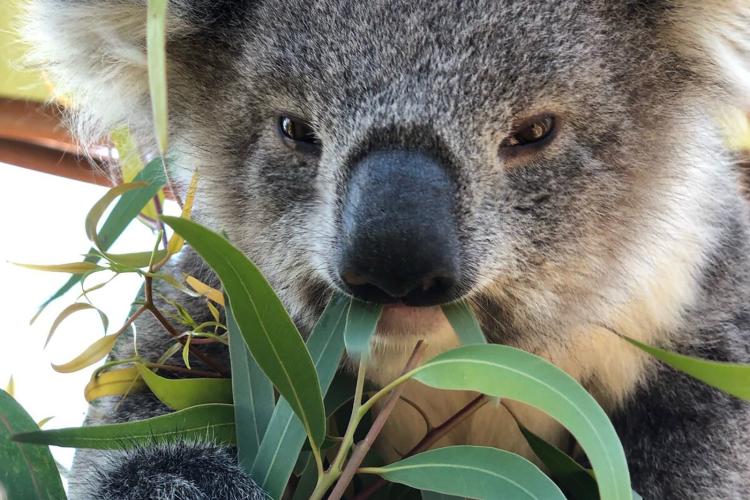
[{"x": 363, "y": 447}]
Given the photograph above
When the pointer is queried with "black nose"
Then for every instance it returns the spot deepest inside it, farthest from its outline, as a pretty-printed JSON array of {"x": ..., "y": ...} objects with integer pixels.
[{"x": 398, "y": 238}]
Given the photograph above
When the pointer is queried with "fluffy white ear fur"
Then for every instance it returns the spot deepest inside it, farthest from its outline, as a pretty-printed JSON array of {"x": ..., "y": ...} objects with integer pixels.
[
  {"x": 718, "y": 32},
  {"x": 94, "y": 53}
]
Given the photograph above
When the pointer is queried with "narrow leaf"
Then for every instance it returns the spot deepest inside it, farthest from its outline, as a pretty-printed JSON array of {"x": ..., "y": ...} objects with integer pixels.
[
  {"x": 72, "y": 268},
  {"x": 182, "y": 393},
  {"x": 361, "y": 323},
  {"x": 732, "y": 378},
  {"x": 11, "y": 387},
  {"x": 97, "y": 211},
  {"x": 473, "y": 471},
  {"x": 464, "y": 323},
  {"x": 268, "y": 330},
  {"x": 205, "y": 290},
  {"x": 137, "y": 260},
  {"x": 114, "y": 383},
  {"x": 254, "y": 397},
  {"x": 95, "y": 352},
  {"x": 157, "y": 69},
  {"x": 284, "y": 438},
  {"x": 214, "y": 422},
  {"x": 505, "y": 372},
  {"x": 72, "y": 309},
  {"x": 176, "y": 242},
  {"x": 26, "y": 471}
]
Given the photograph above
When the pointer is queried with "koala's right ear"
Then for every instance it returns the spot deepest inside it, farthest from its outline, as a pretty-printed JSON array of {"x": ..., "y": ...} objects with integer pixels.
[{"x": 94, "y": 53}]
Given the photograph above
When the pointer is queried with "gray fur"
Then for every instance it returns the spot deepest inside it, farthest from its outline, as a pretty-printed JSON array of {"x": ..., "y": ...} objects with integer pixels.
[{"x": 631, "y": 220}]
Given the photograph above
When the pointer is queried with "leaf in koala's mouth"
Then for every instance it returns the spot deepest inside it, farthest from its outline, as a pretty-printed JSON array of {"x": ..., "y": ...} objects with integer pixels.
[{"x": 361, "y": 322}]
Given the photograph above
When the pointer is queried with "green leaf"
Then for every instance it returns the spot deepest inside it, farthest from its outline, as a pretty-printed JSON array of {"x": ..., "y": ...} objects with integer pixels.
[
  {"x": 464, "y": 323},
  {"x": 125, "y": 210},
  {"x": 253, "y": 395},
  {"x": 214, "y": 422},
  {"x": 72, "y": 309},
  {"x": 361, "y": 323},
  {"x": 27, "y": 471},
  {"x": 284, "y": 438},
  {"x": 506, "y": 372},
  {"x": 473, "y": 471},
  {"x": 137, "y": 260},
  {"x": 181, "y": 393},
  {"x": 157, "y": 69},
  {"x": 573, "y": 478},
  {"x": 269, "y": 332},
  {"x": 97, "y": 211},
  {"x": 432, "y": 495},
  {"x": 732, "y": 378}
]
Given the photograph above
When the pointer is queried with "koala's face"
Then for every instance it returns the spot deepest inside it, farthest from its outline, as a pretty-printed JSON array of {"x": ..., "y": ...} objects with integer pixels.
[{"x": 418, "y": 152}]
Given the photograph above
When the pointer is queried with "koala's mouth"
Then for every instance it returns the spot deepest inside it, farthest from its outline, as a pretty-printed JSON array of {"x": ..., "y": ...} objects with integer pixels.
[{"x": 400, "y": 321}]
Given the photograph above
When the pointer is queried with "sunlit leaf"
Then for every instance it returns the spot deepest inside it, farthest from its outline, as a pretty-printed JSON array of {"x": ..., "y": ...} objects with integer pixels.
[
  {"x": 205, "y": 290},
  {"x": 44, "y": 421},
  {"x": 284, "y": 438},
  {"x": 72, "y": 309},
  {"x": 213, "y": 422},
  {"x": 176, "y": 242},
  {"x": 72, "y": 268},
  {"x": 505, "y": 372},
  {"x": 97, "y": 211},
  {"x": 253, "y": 395},
  {"x": 118, "y": 382},
  {"x": 269, "y": 332},
  {"x": 732, "y": 378},
  {"x": 215, "y": 314},
  {"x": 464, "y": 323},
  {"x": 137, "y": 260},
  {"x": 157, "y": 69},
  {"x": 130, "y": 163},
  {"x": 11, "y": 387},
  {"x": 125, "y": 210},
  {"x": 361, "y": 323},
  {"x": 181, "y": 393},
  {"x": 473, "y": 471},
  {"x": 27, "y": 471},
  {"x": 94, "y": 353}
]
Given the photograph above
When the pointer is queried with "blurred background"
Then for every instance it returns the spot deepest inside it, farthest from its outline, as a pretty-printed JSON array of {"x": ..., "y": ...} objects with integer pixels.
[{"x": 46, "y": 190}]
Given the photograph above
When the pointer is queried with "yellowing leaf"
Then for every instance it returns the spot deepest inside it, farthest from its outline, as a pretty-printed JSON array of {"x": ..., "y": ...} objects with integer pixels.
[
  {"x": 95, "y": 352},
  {"x": 214, "y": 312},
  {"x": 176, "y": 242},
  {"x": 11, "y": 387},
  {"x": 72, "y": 268},
  {"x": 114, "y": 383},
  {"x": 157, "y": 69},
  {"x": 129, "y": 160},
  {"x": 96, "y": 212},
  {"x": 44, "y": 422},
  {"x": 205, "y": 290},
  {"x": 72, "y": 309}
]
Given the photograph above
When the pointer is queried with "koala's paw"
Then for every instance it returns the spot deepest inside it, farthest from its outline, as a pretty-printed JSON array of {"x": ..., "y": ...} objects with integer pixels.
[{"x": 182, "y": 471}]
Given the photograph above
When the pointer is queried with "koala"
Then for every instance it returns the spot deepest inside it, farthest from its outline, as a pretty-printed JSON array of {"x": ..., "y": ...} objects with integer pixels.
[{"x": 558, "y": 165}]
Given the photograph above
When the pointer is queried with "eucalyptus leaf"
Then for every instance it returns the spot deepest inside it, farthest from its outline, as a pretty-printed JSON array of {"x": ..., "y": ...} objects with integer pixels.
[
  {"x": 253, "y": 395},
  {"x": 214, "y": 422},
  {"x": 732, "y": 378},
  {"x": 473, "y": 471},
  {"x": 181, "y": 393},
  {"x": 464, "y": 323},
  {"x": 506, "y": 372},
  {"x": 361, "y": 323},
  {"x": 125, "y": 210},
  {"x": 269, "y": 332},
  {"x": 70, "y": 310},
  {"x": 27, "y": 471},
  {"x": 283, "y": 440}
]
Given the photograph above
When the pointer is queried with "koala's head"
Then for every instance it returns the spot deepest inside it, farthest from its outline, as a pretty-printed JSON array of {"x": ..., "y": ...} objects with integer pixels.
[{"x": 541, "y": 159}]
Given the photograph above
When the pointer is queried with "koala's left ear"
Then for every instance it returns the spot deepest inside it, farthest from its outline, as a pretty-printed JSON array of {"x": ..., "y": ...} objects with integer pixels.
[
  {"x": 715, "y": 34},
  {"x": 94, "y": 52}
]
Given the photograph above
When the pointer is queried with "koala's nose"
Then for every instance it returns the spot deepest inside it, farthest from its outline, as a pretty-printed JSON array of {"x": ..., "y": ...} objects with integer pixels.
[{"x": 398, "y": 237}]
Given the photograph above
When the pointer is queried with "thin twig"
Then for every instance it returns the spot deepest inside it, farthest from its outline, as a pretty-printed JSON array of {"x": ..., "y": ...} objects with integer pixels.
[
  {"x": 430, "y": 439},
  {"x": 363, "y": 447}
]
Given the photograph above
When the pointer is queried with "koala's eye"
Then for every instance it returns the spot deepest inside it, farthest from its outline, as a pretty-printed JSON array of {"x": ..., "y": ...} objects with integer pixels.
[
  {"x": 535, "y": 132},
  {"x": 298, "y": 135}
]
